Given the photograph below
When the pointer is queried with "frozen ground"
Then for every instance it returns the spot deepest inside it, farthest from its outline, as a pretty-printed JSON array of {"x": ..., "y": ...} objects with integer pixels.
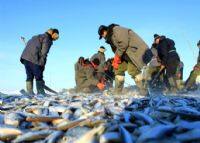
[{"x": 100, "y": 117}]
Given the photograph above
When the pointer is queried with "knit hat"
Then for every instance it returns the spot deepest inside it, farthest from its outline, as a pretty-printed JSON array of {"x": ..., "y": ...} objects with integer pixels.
[{"x": 102, "y": 49}]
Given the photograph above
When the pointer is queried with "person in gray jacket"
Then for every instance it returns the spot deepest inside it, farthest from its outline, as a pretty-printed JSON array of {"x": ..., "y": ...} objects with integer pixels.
[
  {"x": 34, "y": 58},
  {"x": 77, "y": 67},
  {"x": 130, "y": 54},
  {"x": 100, "y": 55}
]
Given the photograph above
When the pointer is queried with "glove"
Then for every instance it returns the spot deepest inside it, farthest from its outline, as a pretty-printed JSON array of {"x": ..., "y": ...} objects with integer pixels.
[
  {"x": 101, "y": 86},
  {"x": 162, "y": 67},
  {"x": 116, "y": 62}
]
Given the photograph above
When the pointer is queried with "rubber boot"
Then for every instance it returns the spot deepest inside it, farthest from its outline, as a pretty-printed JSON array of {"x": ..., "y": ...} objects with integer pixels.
[
  {"x": 40, "y": 87},
  {"x": 87, "y": 90},
  {"x": 119, "y": 84},
  {"x": 173, "y": 85},
  {"x": 142, "y": 89},
  {"x": 29, "y": 87}
]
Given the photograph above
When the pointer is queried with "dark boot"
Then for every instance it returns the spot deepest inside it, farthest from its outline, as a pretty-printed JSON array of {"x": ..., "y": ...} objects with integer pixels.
[
  {"x": 29, "y": 87},
  {"x": 40, "y": 87}
]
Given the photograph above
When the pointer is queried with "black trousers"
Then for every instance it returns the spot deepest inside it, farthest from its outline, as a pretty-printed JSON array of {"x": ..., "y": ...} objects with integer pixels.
[
  {"x": 172, "y": 65},
  {"x": 33, "y": 71}
]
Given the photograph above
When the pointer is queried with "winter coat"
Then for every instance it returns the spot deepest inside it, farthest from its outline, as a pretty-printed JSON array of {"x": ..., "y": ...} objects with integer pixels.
[
  {"x": 100, "y": 56},
  {"x": 127, "y": 44},
  {"x": 167, "y": 51},
  {"x": 155, "y": 62},
  {"x": 198, "y": 60},
  {"x": 86, "y": 77},
  {"x": 37, "y": 49},
  {"x": 77, "y": 67}
]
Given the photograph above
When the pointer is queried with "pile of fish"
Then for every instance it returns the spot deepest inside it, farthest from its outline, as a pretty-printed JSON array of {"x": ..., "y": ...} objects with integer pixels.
[{"x": 99, "y": 118}]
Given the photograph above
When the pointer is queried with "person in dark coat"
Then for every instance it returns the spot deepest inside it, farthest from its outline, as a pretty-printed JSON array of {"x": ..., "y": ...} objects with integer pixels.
[
  {"x": 169, "y": 59},
  {"x": 87, "y": 80},
  {"x": 34, "y": 58}
]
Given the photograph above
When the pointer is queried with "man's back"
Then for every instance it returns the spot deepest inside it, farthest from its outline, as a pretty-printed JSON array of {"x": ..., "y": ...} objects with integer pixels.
[{"x": 37, "y": 48}]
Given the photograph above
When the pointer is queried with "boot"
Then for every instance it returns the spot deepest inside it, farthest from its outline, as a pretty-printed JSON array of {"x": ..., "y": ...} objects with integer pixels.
[
  {"x": 142, "y": 89},
  {"x": 29, "y": 87},
  {"x": 119, "y": 84},
  {"x": 173, "y": 85},
  {"x": 40, "y": 87}
]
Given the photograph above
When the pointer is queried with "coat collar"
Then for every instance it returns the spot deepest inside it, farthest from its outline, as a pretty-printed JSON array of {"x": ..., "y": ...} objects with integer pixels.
[{"x": 110, "y": 33}]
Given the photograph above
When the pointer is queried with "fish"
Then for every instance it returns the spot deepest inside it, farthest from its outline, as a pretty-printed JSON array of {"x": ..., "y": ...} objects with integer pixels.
[
  {"x": 89, "y": 137},
  {"x": 58, "y": 108},
  {"x": 126, "y": 136},
  {"x": 75, "y": 133},
  {"x": 42, "y": 118},
  {"x": 188, "y": 125},
  {"x": 110, "y": 137},
  {"x": 8, "y": 133},
  {"x": 1, "y": 119},
  {"x": 54, "y": 136},
  {"x": 59, "y": 121},
  {"x": 189, "y": 136},
  {"x": 156, "y": 132},
  {"x": 141, "y": 116},
  {"x": 32, "y": 136},
  {"x": 68, "y": 125},
  {"x": 14, "y": 119}
]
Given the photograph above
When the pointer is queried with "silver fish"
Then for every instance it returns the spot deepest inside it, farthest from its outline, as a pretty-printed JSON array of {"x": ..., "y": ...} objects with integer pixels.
[
  {"x": 32, "y": 136},
  {"x": 8, "y": 132},
  {"x": 126, "y": 136},
  {"x": 54, "y": 136},
  {"x": 141, "y": 116},
  {"x": 156, "y": 132},
  {"x": 188, "y": 125},
  {"x": 192, "y": 135},
  {"x": 89, "y": 137},
  {"x": 1, "y": 119},
  {"x": 14, "y": 119},
  {"x": 110, "y": 137}
]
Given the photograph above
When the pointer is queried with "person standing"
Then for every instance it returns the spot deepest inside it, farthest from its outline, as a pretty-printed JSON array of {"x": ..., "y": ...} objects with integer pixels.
[
  {"x": 100, "y": 55},
  {"x": 169, "y": 59},
  {"x": 129, "y": 50},
  {"x": 190, "y": 82},
  {"x": 34, "y": 58}
]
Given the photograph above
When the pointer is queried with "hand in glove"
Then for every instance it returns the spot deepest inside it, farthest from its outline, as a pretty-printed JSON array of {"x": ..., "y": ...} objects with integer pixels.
[
  {"x": 101, "y": 86},
  {"x": 116, "y": 62}
]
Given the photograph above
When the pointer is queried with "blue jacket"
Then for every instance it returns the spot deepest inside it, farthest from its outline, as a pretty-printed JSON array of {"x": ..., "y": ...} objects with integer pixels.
[{"x": 37, "y": 49}]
